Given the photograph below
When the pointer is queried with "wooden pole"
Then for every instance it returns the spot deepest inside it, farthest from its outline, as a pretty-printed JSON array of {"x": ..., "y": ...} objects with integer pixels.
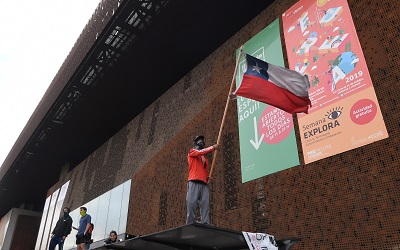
[{"x": 225, "y": 111}]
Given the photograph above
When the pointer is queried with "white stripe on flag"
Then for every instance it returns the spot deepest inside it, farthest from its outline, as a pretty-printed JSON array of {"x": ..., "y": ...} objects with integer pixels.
[{"x": 289, "y": 79}]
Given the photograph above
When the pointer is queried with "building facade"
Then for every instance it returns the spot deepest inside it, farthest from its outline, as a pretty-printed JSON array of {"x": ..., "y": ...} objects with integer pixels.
[{"x": 346, "y": 201}]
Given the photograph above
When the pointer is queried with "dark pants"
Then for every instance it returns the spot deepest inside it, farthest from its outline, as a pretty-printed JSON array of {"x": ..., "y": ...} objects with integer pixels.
[
  {"x": 197, "y": 193},
  {"x": 80, "y": 239},
  {"x": 56, "y": 240}
]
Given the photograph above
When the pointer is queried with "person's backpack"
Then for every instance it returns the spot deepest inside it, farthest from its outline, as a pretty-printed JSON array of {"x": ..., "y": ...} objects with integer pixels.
[{"x": 88, "y": 236}]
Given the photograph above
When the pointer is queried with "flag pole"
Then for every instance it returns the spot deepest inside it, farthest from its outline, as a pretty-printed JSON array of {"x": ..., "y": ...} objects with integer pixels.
[{"x": 225, "y": 111}]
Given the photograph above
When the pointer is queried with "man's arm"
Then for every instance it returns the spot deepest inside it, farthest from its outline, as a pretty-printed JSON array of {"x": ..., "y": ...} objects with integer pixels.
[
  {"x": 107, "y": 241},
  {"x": 87, "y": 228},
  {"x": 68, "y": 228},
  {"x": 89, "y": 221},
  {"x": 204, "y": 151},
  {"x": 52, "y": 232}
]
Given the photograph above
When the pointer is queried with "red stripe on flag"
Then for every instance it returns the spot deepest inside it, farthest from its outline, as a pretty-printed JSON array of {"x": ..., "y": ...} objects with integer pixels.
[{"x": 261, "y": 90}]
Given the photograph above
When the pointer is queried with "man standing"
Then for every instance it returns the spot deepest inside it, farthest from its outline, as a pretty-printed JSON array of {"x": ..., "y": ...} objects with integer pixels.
[
  {"x": 61, "y": 230},
  {"x": 83, "y": 229},
  {"x": 197, "y": 189}
]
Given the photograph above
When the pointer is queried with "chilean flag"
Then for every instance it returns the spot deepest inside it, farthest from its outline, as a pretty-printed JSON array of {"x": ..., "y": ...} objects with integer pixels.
[{"x": 280, "y": 87}]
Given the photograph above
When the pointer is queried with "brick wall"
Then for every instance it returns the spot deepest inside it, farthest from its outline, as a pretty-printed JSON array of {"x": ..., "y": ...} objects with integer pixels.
[{"x": 348, "y": 201}]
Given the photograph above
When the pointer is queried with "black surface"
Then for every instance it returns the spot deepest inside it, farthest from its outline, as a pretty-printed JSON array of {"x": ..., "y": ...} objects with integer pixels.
[
  {"x": 194, "y": 237},
  {"x": 138, "y": 244},
  {"x": 200, "y": 236}
]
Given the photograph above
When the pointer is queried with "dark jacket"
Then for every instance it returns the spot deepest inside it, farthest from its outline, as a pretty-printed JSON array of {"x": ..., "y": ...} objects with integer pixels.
[{"x": 63, "y": 226}]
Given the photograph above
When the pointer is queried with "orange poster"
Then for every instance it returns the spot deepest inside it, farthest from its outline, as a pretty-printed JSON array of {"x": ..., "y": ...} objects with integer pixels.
[{"x": 322, "y": 43}]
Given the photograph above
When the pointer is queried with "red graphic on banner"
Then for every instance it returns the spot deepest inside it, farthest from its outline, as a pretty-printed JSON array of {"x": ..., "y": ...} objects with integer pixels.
[
  {"x": 275, "y": 124},
  {"x": 363, "y": 111}
]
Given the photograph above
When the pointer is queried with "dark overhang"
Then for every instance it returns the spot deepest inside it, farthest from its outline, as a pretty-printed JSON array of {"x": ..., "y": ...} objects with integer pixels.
[
  {"x": 194, "y": 237},
  {"x": 106, "y": 81}
]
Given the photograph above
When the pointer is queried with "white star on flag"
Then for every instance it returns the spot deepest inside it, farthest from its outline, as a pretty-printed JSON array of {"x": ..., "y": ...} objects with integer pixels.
[{"x": 257, "y": 68}]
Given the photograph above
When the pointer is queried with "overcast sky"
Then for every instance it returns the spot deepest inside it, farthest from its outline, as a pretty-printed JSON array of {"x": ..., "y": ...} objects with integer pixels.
[{"x": 35, "y": 38}]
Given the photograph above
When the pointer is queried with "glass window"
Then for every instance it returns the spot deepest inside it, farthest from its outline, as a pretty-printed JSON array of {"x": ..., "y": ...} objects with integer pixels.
[
  {"x": 114, "y": 209},
  {"x": 42, "y": 222},
  {"x": 108, "y": 211},
  {"x": 70, "y": 240},
  {"x": 46, "y": 234},
  {"x": 94, "y": 206},
  {"x": 58, "y": 209},
  {"x": 124, "y": 207},
  {"x": 101, "y": 218}
]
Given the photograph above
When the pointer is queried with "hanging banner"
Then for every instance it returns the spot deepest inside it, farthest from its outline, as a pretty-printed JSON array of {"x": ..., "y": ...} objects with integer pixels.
[
  {"x": 321, "y": 42},
  {"x": 267, "y": 138},
  {"x": 260, "y": 241}
]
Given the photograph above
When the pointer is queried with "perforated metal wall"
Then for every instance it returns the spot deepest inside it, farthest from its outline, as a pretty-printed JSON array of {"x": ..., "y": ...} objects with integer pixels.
[{"x": 348, "y": 201}]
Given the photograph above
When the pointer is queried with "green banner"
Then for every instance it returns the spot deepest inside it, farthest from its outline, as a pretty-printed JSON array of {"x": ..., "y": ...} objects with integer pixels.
[{"x": 267, "y": 138}]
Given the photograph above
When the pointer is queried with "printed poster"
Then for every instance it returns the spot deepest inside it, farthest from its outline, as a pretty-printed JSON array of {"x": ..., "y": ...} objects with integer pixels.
[
  {"x": 260, "y": 241},
  {"x": 266, "y": 134},
  {"x": 322, "y": 42}
]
